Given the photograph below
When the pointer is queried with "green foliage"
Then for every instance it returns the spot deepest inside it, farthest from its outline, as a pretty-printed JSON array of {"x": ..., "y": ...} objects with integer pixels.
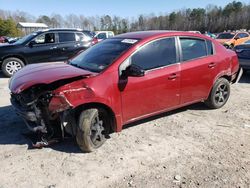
[{"x": 8, "y": 28}]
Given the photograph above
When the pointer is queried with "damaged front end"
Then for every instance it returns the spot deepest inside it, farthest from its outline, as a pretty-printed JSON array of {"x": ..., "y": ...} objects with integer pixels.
[{"x": 46, "y": 111}]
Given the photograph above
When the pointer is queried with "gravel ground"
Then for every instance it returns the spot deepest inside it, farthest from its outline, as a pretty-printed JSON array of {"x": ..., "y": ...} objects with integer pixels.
[{"x": 190, "y": 147}]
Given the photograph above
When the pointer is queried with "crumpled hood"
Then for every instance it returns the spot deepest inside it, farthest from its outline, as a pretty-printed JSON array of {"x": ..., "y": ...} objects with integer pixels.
[{"x": 44, "y": 73}]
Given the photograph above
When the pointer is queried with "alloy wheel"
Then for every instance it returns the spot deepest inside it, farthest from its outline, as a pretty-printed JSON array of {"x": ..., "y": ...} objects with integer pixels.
[
  {"x": 97, "y": 132},
  {"x": 12, "y": 67},
  {"x": 221, "y": 94}
]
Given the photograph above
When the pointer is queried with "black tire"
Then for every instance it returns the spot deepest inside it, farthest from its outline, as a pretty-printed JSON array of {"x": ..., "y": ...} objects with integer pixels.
[
  {"x": 92, "y": 130},
  {"x": 219, "y": 95},
  {"x": 11, "y": 65}
]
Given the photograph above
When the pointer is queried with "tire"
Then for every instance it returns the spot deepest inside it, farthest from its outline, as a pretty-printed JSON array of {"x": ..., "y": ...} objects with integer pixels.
[
  {"x": 92, "y": 130},
  {"x": 11, "y": 65},
  {"x": 219, "y": 94}
]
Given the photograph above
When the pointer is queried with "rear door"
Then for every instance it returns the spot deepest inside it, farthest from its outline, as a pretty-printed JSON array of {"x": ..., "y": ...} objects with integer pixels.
[
  {"x": 70, "y": 43},
  {"x": 158, "y": 89},
  {"x": 199, "y": 67}
]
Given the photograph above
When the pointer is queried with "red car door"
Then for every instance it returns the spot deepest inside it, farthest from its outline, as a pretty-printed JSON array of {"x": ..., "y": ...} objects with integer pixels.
[
  {"x": 198, "y": 69},
  {"x": 159, "y": 88}
]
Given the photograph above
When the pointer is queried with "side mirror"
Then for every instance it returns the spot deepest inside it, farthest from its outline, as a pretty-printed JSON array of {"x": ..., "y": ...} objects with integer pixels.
[
  {"x": 134, "y": 71},
  {"x": 236, "y": 38},
  {"x": 32, "y": 43}
]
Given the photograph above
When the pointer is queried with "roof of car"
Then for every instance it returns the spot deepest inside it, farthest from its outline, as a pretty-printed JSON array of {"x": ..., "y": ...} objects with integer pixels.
[
  {"x": 63, "y": 29},
  {"x": 152, "y": 33}
]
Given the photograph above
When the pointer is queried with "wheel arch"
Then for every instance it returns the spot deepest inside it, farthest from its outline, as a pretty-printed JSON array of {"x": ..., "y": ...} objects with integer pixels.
[
  {"x": 98, "y": 105},
  {"x": 228, "y": 77},
  {"x": 15, "y": 56}
]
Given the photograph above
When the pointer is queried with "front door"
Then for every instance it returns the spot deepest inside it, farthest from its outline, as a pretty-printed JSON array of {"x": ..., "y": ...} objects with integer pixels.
[
  {"x": 43, "y": 48},
  {"x": 158, "y": 89}
]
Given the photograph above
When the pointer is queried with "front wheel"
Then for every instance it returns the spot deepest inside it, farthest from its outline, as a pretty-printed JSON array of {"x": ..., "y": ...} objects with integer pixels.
[
  {"x": 11, "y": 65},
  {"x": 219, "y": 94},
  {"x": 92, "y": 129}
]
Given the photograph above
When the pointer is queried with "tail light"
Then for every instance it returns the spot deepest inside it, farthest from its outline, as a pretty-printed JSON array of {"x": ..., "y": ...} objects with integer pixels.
[{"x": 94, "y": 41}]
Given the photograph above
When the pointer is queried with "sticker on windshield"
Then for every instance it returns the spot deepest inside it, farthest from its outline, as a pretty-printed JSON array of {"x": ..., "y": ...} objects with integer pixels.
[{"x": 130, "y": 41}]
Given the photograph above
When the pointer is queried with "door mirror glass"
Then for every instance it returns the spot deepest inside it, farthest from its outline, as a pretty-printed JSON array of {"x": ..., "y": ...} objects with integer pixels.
[{"x": 134, "y": 71}]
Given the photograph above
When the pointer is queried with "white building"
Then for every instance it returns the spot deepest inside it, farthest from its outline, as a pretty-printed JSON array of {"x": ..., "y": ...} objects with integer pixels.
[{"x": 30, "y": 27}]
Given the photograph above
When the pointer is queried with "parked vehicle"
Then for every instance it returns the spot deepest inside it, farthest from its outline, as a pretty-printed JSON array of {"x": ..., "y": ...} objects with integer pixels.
[
  {"x": 43, "y": 46},
  {"x": 231, "y": 39},
  {"x": 101, "y": 35},
  {"x": 243, "y": 52},
  {"x": 121, "y": 80}
]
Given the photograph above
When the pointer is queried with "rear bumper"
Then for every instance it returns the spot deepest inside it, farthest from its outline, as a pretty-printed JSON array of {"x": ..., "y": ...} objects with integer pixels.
[
  {"x": 236, "y": 77},
  {"x": 244, "y": 63}
]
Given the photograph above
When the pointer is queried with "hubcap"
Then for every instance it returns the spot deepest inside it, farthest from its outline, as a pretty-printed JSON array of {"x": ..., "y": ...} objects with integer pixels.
[
  {"x": 12, "y": 67},
  {"x": 221, "y": 94},
  {"x": 96, "y": 133}
]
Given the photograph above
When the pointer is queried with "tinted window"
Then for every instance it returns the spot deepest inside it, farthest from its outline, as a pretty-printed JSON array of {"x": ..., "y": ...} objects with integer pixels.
[
  {"x": 156, "y": 54},
  {"x": 66, "y": 37},
  {"x": 225, "y": 36},
  {"x": 243, "y": 35},
  {"x": 210, "y": 50},
  {"x": 192, "y": 48},
  {"x": 45, "y": 38},
  {"x": 101, "y": 55},
  {"x": 101, "y": 36}
]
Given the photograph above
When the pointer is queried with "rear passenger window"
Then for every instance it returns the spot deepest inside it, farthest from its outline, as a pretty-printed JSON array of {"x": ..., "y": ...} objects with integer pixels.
[
  {"x": 66, "y": 37},
  {"x": 192, "y": 48},
  {"x": 156, "y": 54}
]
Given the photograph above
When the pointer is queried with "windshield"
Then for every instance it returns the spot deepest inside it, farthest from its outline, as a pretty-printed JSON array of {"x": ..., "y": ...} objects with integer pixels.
[
  {"x": 25, "y": 38},
  {"x": 101, "y": 55},
  {"x": 225, "y": 36}
]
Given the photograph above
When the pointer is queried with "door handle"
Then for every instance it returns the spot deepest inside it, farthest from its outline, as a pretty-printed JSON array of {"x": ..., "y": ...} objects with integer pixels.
[
  {"x": 172, "y": 76},
  {"x": 211, "y": 65},
  {"x": 54, "y": 47}
]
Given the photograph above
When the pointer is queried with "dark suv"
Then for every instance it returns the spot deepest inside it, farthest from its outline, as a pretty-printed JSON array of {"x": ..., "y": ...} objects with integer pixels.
[{"x": 43, "y": 46}]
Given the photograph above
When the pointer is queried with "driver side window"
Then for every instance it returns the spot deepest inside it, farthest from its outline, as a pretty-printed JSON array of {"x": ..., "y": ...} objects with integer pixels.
[
  {"x": 156, "y": 54},
  {"x": 45, "y": 38}
]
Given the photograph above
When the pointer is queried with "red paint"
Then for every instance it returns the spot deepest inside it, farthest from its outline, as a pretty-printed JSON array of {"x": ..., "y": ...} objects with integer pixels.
[{"x": 159, "y": 90}]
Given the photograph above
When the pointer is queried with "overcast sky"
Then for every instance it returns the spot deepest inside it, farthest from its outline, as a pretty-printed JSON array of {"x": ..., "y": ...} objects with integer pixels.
[{"x": 124, "y": 8}]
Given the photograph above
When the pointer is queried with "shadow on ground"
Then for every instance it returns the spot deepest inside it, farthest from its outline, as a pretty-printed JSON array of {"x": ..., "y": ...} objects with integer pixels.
[{"x": 12, "y": 129}]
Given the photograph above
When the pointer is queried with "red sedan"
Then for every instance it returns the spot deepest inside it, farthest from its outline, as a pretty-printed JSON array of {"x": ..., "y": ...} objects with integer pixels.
[{"x": 121, "y": 80}]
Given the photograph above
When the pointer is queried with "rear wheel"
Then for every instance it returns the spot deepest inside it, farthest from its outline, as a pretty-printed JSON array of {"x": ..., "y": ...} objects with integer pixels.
[
  {"x": 219, "y": 94},
  {"x": 93, "y": 128},
  {"x": 11, "y": 65}
]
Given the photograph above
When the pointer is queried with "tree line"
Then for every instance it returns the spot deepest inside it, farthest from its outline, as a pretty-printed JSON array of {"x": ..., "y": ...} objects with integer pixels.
[{"x": 233, "y": 16}]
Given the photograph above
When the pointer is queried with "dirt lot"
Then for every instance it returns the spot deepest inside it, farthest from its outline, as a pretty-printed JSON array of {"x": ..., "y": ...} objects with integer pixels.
[{"x": 190, "y": 147}]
